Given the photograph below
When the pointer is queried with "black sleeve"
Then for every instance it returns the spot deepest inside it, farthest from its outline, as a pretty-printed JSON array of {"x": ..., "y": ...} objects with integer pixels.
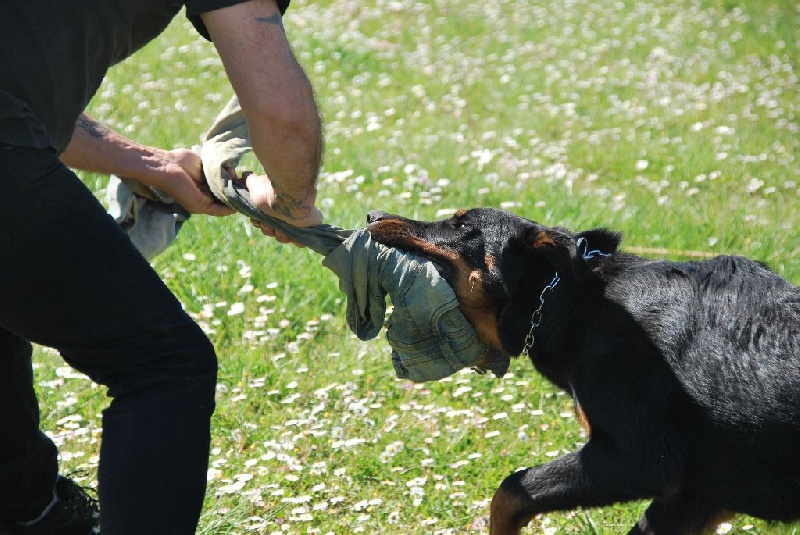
[{"x": 195, "y": 7}]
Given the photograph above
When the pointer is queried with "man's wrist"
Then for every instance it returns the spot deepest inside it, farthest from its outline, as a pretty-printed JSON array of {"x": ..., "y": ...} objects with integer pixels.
[{"x": 295, "y": 206}]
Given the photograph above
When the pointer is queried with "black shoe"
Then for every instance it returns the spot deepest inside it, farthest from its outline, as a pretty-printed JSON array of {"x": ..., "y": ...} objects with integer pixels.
[{"x": 76, "y": 513}]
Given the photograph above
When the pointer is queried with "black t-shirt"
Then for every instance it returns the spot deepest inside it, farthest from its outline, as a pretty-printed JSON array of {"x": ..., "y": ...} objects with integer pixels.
[{"x": 55, "y": 53}]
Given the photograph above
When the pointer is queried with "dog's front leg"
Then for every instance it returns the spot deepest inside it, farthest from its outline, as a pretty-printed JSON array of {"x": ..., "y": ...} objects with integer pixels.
[{"x": 594, "y": 476}]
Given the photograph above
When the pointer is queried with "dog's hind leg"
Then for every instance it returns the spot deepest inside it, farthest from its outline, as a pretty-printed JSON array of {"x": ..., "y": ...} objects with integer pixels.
[{"x": 680, "y": 515}]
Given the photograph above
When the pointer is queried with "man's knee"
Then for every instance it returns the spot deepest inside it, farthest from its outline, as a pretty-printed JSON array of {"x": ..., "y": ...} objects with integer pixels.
[
  {"x": 186, "y": 365},
  {"x": 194, "y": 354},
  {"x": 179, "y": 361}
]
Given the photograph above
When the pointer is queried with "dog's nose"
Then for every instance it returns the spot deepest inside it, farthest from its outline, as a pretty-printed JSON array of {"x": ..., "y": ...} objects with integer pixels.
[{"x": 375, "y": 215}]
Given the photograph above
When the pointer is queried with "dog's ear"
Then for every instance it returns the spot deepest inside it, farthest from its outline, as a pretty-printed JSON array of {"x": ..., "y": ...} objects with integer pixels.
[
  {"x": 556, "y": 246},
  {"x": 563, "y": 250},
  {"x": 530, "y": 257},
  {"x": 600, "y": 241},
  {"x": 529, "y": 250}
]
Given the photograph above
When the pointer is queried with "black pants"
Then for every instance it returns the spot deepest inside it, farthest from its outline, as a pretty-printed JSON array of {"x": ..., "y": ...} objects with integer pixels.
[{"x": 70, "y": 279}]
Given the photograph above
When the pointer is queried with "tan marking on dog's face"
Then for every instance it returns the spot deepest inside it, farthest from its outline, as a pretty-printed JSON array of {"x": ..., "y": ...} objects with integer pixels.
[
  {"x": 395, "y": 233},
  {"x": 436, "y": 253},
  {"x": 467, "y": 282},
  {"x": 475, "y": 305},
  {"x": 474, "y": 278},
  {"x": 543, "y": 238}
]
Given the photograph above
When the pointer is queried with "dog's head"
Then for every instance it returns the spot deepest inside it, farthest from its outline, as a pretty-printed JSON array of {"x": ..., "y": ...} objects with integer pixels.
[{"x": 496, "y": 262}]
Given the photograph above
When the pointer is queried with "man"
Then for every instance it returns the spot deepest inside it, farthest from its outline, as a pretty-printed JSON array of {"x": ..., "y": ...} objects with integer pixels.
[{"x": 71, "y": 279}]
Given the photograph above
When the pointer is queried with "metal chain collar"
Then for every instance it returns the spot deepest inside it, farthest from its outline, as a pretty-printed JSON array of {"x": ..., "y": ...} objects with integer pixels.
[{"x": 536, "y": 317}]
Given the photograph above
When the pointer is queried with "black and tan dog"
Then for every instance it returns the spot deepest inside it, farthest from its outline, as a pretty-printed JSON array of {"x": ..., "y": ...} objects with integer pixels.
[{"x": 687, "y": 375}]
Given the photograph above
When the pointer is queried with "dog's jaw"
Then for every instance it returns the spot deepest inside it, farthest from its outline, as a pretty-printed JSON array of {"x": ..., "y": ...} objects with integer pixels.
[{"x": 471, "y": 284}]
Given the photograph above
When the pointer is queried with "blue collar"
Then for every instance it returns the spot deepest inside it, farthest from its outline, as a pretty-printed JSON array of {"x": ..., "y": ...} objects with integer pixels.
[{"x": 587, "y": 254}]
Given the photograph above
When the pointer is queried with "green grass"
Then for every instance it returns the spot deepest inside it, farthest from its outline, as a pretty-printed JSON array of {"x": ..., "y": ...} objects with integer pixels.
[{"x": 674, "y": 122}]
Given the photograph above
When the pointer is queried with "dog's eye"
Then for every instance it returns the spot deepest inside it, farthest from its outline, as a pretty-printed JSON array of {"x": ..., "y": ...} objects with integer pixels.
[{"x": 459, "y": 224}]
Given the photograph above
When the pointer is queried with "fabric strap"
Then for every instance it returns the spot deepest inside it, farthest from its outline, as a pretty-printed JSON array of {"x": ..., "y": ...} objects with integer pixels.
[{"x": 429, "y": 335}]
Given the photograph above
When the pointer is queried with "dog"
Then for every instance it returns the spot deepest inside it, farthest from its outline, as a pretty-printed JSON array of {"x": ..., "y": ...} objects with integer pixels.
[{"x": 685, "y": 375}]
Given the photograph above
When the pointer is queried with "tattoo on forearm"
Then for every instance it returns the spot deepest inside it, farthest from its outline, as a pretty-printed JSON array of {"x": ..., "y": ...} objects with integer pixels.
[
  {"x": 272, "y": 19},
  {"x": 290, "y": 207},
  {"x": 92, "y": 127}
]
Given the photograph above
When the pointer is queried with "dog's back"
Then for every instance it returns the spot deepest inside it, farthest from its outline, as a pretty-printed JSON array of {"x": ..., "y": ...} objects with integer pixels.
[{"x": 735, "y": 353}]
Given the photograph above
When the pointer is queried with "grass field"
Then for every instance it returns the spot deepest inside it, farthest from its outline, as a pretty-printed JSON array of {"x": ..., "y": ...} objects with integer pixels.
[{"x": 675, "y": 122}]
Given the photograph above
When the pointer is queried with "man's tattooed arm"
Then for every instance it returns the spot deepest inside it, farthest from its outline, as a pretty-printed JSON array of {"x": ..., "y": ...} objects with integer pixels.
[
  {"x": 98, "y": 148},
  {"x": 277, "y": 98},
  {"x": 272, "y": 19},
  {"x": 94, "y": 128},
  {"x": 292, "y": 208}
]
